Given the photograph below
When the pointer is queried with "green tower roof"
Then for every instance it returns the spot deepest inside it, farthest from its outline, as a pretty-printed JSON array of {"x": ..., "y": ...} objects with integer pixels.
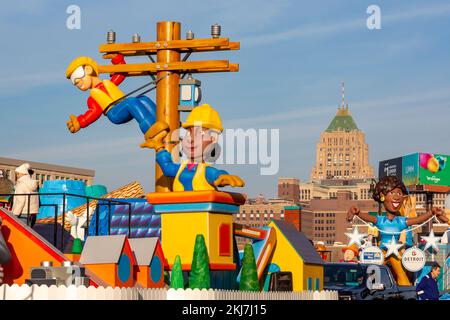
[{"x": 342, "y": 121}]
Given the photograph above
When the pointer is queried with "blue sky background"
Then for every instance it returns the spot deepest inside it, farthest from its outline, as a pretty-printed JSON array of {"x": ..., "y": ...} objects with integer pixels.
[{"x": 293, "y": 57}]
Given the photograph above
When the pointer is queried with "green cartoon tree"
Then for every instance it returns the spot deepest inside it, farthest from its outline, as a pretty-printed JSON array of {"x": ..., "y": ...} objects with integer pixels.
[
  {"x": 176, "y": 278},
  {"x": 199, "y": 275},
  {"x": 249, "y": 276}
]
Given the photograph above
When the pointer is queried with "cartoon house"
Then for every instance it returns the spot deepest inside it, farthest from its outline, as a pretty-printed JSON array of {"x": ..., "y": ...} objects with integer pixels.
[
  {"x": 110, "y": 258},
  {"x": 149, "y": 268},
  {"x": 295, "y": 253}
]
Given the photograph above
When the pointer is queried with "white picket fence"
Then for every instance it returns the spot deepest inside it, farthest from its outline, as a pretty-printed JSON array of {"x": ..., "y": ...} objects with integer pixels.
[{"x": 35, "y": 292}]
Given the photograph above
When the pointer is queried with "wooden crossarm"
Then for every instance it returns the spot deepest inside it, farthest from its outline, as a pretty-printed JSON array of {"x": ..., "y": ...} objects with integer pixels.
[
  {"x": 137, "y": 69},
  {"x": 144, "y": 48}
]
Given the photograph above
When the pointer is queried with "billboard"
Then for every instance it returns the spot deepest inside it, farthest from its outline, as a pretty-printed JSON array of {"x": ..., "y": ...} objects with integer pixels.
[
  {"x": 410, "y": 169},
  {"x": 418, "y": 169},
  {"x": 391, "y": 167},
  {"x": 434, "y": 170}
]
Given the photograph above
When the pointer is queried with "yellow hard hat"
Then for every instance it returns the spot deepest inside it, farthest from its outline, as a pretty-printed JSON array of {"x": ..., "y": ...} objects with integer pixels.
[
  {"x": 204, "y": 116},
  {"x": 81, "y": 61}
]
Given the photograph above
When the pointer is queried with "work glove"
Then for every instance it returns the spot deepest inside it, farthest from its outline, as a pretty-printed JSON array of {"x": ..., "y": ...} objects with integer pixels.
[
  {"x": 229, "y": 180},
  {"x": 73, "y": 125}
]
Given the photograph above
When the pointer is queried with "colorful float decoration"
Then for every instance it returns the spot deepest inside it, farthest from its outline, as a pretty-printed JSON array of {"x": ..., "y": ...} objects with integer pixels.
[{"x": 186, "y": 225}]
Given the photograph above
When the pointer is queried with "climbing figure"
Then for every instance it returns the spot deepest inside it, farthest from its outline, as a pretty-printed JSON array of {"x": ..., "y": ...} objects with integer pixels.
[
  {"x": 203, "y": 127},
  {"x": 106, "y": 97}
]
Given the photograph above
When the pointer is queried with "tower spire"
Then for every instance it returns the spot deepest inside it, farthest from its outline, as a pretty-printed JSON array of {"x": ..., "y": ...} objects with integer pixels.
[{"x": 343, "y": 95}]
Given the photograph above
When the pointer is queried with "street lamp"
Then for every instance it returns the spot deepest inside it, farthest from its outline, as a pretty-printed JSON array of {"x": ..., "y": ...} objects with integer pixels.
[{"x": 190, "y": 93}]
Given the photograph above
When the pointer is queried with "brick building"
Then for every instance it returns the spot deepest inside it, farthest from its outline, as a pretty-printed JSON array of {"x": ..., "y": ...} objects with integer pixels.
[
  {"x": 326, "y": 219},
  {"x": 258, "y": 212},
  {"x": 289, "y": 189}
]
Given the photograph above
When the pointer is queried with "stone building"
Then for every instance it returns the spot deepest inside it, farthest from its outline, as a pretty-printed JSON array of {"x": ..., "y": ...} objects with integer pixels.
[{"x": 342, "y": 152}]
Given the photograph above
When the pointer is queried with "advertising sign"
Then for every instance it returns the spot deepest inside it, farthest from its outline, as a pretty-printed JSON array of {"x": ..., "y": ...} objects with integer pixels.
[
  {"x": 410, "y": 169},
  {"x": 418, "y": 169},
  {"x": 434, "y": 169},
  {"x": 391, "y": 167},
  {"x": 372, "y": 255},
  {"x": 413, "y": 259}
]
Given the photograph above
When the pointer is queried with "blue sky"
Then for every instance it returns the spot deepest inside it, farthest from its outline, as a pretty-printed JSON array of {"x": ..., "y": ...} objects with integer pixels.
[{"x": 293, "y": 57}]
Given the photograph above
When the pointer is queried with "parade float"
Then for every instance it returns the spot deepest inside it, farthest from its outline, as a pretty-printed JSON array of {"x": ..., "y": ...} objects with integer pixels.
[
  {"x": 89, "y": 243},
  {"x": 182, "y": 236}
]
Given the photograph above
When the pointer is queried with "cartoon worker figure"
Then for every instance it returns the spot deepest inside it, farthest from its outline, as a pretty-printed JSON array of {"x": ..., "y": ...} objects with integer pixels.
[
  {"x": 351, "y": 253},
  {"x": 391, "y": 192},
  {"x": 106, "y": 98},
  {"x": 203, "y": 126}
]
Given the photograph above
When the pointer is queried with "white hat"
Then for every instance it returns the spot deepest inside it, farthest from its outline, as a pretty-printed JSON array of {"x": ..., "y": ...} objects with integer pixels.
[{"x": 23, "y": 169}]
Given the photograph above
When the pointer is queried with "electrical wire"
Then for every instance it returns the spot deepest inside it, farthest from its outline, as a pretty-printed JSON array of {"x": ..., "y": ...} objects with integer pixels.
[
  {"x": 394, "y": 232},
  {"x": 154, "y": 82}
]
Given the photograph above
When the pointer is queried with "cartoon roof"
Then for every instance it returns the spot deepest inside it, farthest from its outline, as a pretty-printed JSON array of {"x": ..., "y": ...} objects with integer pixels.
[
  {"x": 102, "y": 249},
  {"x": 144, "y": 249},
  {"x": 299, "y": 242}
]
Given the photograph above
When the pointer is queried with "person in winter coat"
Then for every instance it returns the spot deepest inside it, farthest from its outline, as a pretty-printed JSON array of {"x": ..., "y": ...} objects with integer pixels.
[
  {"x": 427, "y": 289},
  {"x": 25, "y": 185}
]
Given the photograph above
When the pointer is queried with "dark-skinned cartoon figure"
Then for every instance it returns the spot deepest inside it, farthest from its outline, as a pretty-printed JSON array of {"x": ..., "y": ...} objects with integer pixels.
[{"x": 391, "y": 192}]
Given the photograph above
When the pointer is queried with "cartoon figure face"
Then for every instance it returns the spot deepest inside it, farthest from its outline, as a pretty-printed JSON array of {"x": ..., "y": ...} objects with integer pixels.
[
  {"x": 196, "y": 142},
  {"x": 394, "y": 200},
  {"x": 349, "y": 255},
  {"x": 82, "y": 77}
]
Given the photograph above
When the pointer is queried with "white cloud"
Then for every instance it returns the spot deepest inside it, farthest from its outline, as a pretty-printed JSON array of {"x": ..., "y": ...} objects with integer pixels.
[
  {"x": 423, "y": 98},
  {"x": 327, "y": 29},
  {"x": 19, "y": 82}
]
